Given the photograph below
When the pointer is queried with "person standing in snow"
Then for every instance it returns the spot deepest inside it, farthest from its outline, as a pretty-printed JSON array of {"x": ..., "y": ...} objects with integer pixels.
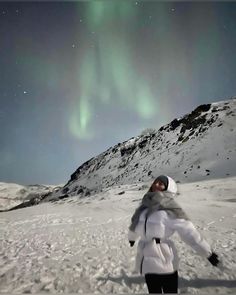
[{"x": 155, "y": 221}]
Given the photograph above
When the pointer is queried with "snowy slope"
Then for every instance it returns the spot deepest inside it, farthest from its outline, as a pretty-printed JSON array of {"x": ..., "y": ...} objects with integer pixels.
[
  {"x": 12, "y": 194},
  {"x": 80, "y": 245},
  {"x": 199, "y": 145}
]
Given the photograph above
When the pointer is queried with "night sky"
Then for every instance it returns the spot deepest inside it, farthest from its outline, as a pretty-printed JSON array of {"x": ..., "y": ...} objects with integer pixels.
[{"x": 79, "y": 77}]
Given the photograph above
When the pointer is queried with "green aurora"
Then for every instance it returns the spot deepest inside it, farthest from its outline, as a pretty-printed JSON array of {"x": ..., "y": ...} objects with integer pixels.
[{"x": 108, "y": 68}]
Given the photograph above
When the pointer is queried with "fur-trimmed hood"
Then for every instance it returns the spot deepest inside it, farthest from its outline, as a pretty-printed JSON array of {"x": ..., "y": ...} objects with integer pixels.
[{"x": 154, "y": 201}]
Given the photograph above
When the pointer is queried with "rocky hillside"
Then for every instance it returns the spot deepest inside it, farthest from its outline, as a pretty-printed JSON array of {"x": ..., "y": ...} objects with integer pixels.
[
  {"x": 199, "y": 145},
  {"x": 14, "y": 195}
]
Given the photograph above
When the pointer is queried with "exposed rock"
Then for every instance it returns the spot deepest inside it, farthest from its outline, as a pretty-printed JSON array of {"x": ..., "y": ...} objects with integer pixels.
[
  {"x": 127, "y": 150},
  {"x": 174, "y": 124},
  {"x": 143, "y": 143}
]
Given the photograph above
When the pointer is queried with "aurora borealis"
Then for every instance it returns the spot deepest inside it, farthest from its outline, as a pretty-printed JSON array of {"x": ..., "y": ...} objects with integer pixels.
[
  {"x": 79, "y": 77},
  {"x": 107, "y": 68}
]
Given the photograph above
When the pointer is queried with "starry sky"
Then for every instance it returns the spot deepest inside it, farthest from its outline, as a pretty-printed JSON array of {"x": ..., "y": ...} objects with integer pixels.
[{"x": 79, "y": 77}]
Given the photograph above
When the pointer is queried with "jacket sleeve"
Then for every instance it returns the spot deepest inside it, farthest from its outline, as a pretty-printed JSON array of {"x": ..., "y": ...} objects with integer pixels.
[{"x": 190, "y": 235}]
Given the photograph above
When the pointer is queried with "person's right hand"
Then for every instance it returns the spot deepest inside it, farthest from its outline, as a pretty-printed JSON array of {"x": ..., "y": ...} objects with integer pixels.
[
  {"x": 131, "y": 243},
  {"x": 213, "y": 259}
]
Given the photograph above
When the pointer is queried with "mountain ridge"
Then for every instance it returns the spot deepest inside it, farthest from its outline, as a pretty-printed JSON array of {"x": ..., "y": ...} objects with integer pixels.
[
  {"x": 13, "y": 195},
  {"x": 173, "y": 144},
  {"x": 198, "y": 145}
]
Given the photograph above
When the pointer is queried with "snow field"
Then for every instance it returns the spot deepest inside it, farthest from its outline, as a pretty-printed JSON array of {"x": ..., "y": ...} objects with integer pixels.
[{"x": 81, "y": 246}]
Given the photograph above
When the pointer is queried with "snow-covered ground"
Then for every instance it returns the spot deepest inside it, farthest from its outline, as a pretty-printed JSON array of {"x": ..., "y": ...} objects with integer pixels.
[{"x": 80, "y": 245}]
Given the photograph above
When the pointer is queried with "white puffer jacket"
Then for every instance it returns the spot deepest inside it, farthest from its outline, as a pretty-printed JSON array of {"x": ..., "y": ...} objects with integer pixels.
[{"x": 162, "y": 257}]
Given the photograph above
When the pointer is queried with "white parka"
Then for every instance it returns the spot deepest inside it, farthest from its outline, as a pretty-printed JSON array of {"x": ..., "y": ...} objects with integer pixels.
[{"x": 162, "y": 257}]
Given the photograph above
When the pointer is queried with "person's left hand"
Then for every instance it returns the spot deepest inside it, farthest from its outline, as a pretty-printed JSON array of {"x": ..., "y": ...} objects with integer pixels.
[
  {"x": 131, "y": 243},
  {"x": 214, "y": 259}
]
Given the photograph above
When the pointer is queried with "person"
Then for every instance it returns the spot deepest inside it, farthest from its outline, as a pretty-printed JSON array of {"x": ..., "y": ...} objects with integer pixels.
[{"x": 156, "y": 219}]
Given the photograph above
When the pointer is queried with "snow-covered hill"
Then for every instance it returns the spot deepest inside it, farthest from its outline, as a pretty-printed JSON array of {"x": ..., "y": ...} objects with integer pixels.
[
  {"x": 200, "y": 145},
  {"x": 80, "y": 245},
  {"x": 12, "y": 194}
]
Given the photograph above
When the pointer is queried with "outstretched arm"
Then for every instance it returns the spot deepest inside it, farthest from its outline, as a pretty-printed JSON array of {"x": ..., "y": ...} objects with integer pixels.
[{"x": 191, "y": 236}]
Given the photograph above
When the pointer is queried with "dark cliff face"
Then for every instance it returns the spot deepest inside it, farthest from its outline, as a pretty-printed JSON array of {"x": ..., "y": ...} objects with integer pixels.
[{"x": 193, "y": 120}]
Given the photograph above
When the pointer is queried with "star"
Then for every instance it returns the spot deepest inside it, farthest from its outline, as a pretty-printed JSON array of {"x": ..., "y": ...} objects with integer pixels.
[{"x": 25, "y": 92}]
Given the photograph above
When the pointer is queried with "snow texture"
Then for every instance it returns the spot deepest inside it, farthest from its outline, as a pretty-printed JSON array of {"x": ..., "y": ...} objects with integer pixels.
[{"x": 80, "y": 245}]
